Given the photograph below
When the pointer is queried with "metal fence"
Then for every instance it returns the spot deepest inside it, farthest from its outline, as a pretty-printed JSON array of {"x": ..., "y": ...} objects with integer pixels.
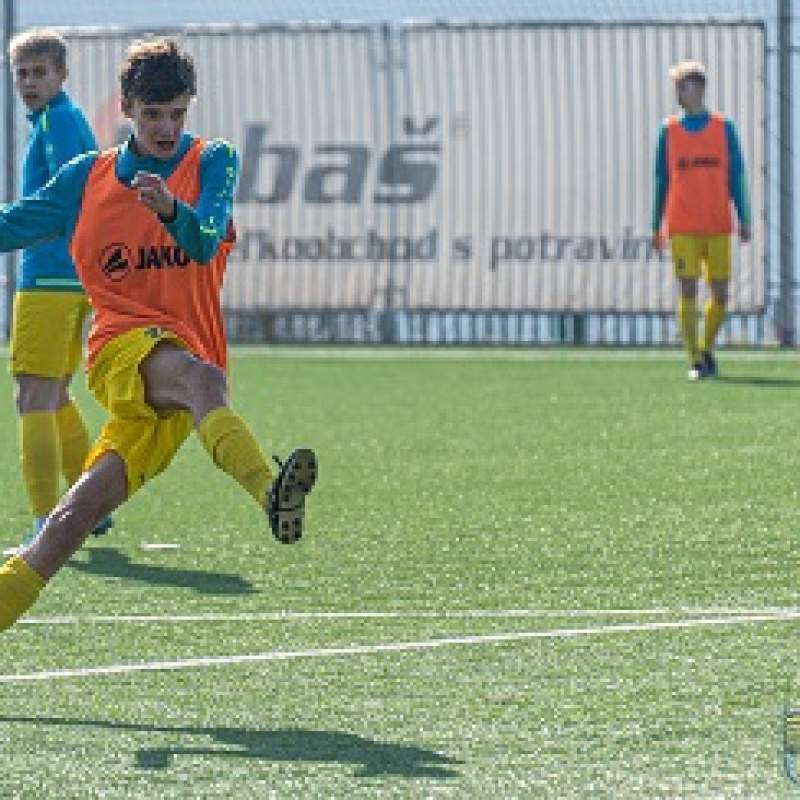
[{"x": 458, "y": 183}]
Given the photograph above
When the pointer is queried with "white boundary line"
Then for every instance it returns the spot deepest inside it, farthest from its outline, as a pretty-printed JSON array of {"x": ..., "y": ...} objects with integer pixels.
[
  {"x": 470, "y": 613},
  {"x": 370, "y": 649}
]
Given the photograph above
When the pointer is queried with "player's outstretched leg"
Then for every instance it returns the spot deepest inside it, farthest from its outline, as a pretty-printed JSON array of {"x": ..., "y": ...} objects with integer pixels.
[
  {"x": 101, "y": 529},
  {"x": 177, "y": 379},
  {"x": 94, "y": 496},
  {"x": 19, "y": 588},
  {"x": 286, "y": 498}
]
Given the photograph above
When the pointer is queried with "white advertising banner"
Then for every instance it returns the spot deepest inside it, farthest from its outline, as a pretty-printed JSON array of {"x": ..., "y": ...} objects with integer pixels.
[{"x": 453, "y": 167}]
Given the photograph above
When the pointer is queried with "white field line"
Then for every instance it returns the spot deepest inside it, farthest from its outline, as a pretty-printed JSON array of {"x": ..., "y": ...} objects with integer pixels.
[
  {"x": 470, "y": 613},
  {"x": 394, "y": 647}
]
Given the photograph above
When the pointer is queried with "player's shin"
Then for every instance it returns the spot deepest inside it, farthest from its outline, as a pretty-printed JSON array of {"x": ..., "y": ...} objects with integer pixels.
[
  {"x": 714, "y": 318},
  {"x": 687, "y": 321},
  {"x": 19, "y": 588},
  {"x": 228, "y": 440}
]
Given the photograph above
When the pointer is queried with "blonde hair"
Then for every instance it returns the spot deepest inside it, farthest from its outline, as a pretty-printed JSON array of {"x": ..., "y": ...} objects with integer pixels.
[
  {"x": 41, "y": 42},
  {"x": 688, "y": 69}
]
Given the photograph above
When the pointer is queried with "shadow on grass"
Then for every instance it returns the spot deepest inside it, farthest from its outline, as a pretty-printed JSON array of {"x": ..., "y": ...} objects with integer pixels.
[
  {"x": 372, "y": 758},
  {"x": 111, "y": 563},
  {"x": 767, "y": 383}
]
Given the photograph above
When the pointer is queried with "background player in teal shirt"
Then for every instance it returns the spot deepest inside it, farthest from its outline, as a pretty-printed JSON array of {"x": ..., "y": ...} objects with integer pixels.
[{"x": 49, "y": 305}]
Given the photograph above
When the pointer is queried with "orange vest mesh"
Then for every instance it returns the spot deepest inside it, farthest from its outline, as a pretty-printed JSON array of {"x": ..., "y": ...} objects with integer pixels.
[
  {"x": 134, "y": 273},
  {"x": 698, "y": 201}
]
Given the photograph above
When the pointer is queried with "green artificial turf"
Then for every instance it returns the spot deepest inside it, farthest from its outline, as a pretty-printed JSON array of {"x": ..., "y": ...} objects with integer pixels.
[{"x": 525, "y": 574}]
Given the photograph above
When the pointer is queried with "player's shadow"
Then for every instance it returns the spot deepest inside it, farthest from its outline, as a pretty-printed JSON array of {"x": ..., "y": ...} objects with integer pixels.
[
  {"x": 764, "y": 383},
  {"x": 110, "y": 563},
  {"x": 370, "y": 758}
]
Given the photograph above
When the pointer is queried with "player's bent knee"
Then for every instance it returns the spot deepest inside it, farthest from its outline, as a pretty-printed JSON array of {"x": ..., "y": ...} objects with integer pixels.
[
  {"x": 207, "y": 379},
  {"x": 207, "y": 388},
  {"x": 176, "y": 379}
]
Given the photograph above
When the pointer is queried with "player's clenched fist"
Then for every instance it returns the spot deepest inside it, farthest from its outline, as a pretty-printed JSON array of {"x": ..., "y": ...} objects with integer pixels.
[{"x": 154, "y": 194}]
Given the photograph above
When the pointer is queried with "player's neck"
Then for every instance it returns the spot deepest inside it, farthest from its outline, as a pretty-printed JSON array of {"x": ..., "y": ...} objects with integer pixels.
[{"x": 695, "y": 110}]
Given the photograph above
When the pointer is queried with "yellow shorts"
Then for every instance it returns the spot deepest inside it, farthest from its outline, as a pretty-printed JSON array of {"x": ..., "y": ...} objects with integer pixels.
[
  {"x": 47, "y": 333},
  {"x": 145, "y": 440},
  {"x": 690, "y": 253}
]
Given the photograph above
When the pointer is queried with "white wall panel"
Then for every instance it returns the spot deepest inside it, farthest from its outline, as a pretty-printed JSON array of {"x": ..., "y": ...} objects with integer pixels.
[{"x": 453, "y": 167}]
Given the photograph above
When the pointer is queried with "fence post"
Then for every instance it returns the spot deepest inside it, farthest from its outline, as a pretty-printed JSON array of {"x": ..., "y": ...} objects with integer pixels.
[
  {"x": 785, "y": 322},
  {"x": 388, "y": 324}
]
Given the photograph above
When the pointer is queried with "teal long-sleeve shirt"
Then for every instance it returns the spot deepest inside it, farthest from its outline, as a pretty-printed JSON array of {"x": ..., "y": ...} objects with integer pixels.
[
  {"x": 53, "y": 210},
  {"x": 59, "y": 132},
  {"x": 694, "y": 123}
]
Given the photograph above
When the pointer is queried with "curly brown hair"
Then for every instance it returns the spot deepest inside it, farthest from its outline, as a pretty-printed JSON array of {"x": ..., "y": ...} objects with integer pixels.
[{"x": 157, "y": 71}]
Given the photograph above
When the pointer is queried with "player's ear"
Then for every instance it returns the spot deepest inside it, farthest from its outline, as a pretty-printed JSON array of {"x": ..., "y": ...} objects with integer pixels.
[{"x": 125, "y": 106}]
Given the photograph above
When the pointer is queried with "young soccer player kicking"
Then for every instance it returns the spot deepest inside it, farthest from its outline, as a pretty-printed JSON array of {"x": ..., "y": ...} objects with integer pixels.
[
  {"x": 50, "y": 306},
  {"x": 149, "y": 227},
  {"x": 699, "y": 171}
]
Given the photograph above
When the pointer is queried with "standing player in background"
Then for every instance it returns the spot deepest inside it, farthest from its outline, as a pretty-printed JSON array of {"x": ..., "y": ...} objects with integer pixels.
[
  {"x": 149, "y": 226},
  {"x": 50, "y": 306},
  {"x": 699, "y": 170}
]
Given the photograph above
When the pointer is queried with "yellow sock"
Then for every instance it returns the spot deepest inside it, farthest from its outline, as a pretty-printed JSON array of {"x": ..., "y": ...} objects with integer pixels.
[
  {"x": 41, "y": 460},
  {"x": 19, "y": 588},
  {"x": 714, "y": 317},
  {"x": 687, "y": 322},
  {"x": 229, "y": 442},
  {"x": 74, "y": 439}
]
